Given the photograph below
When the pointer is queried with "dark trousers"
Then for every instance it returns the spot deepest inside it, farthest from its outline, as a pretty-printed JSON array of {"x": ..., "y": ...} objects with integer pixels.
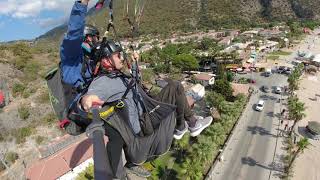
[{"x": 174, "y": 94}]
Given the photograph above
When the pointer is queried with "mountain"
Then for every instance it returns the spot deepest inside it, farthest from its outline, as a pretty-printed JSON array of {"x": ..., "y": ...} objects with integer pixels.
[{"x": 169, "y": 16}]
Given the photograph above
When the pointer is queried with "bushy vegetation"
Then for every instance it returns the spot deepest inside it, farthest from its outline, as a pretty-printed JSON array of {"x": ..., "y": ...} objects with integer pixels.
[
  {"x": 18, "y": 89},
  {"x": 223, "y": 87},
  {"x": 11, "y": 157},
  {"x": 280, "y": 53},
  {"x": 185, "y": 62},
  {"x": 87, "y": 174},
  {"x": 44, "y": 98},
  {"x": 49, "y": 118},
  {"x": 39, "y": 139},
  {"x": 191, "y": 157},
  {"x": 147, "y": 75},
  {"x": 22, "y": 133},
  {"x": 24, "y": 112}
]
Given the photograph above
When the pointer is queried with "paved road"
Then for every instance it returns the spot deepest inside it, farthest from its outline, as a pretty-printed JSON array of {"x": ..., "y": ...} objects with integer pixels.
[{"x": 249, "y": 153}]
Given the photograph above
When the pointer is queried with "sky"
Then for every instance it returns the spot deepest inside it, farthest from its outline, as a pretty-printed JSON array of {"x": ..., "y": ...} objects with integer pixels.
[{"x": 28, "y": 19}]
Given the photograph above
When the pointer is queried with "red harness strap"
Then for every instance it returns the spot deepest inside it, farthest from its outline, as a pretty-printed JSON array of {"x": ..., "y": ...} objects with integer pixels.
[{"x": 64, "y": 122}]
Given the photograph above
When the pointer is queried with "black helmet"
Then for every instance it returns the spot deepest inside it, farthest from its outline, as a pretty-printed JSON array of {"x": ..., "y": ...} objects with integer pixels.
[
  {"x": 107, "y": 48},
  {"x": 90, "y": 30}
]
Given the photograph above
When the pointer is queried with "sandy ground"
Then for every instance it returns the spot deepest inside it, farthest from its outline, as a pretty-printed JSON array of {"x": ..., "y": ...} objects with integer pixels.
[{"x": 307, "y": 165}]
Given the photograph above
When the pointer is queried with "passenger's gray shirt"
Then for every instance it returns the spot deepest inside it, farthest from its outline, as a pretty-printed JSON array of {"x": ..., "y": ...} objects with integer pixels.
[{"x": 112, "y": 89}]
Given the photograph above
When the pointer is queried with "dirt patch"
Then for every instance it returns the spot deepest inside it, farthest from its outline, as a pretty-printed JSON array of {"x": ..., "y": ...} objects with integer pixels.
[{"x": 240, "y": 89}]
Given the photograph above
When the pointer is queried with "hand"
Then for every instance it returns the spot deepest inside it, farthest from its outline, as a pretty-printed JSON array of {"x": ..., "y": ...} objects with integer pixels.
[
  {"x": 85, "y": 2},
  {"x": 88, "y": 100},
  {"x": 135, "y": 56}
]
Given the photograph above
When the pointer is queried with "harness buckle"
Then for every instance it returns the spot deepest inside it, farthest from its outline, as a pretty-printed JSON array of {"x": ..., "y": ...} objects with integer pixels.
[{"x": 120, "y": 104}]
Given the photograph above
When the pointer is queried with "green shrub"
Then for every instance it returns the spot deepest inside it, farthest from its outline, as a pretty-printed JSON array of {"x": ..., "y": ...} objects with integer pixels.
[
  {"x": 185, "y": 62},
  {"x": 155, "y": 90},
  {"x": 44, "y": 98},
  {"x": 49, "y": 118},
  {"x": 27, "y": 92},
  {"x": 39, "y": 139},
  {"x": 223, "y": 87},
  {"x": 215, "y": 99},
  {"x": 20, "y": 49},
  {"x": 230, "y": 76},
  {"x": 17, "y": 89},
  {"x": 20, "y": 63},
  {"x": 11, "y": 157},
  {"x": 243, "y": 80},
  {"x": 22, "y": 133},
  {"x": 87, "y": 174},
  {"x": 161, "y": 68},
  {"x": 273, "y": 57},
  {"x": 31, "y": 71},
  {"x": 23, "y": 112},
  {"x": 147, "y": 75}
]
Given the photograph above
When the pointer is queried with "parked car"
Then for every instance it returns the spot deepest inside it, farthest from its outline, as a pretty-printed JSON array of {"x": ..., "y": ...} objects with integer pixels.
[
  {"x": 278, "y": 90},
  {"x": 268, "y": 73},
  {"x": 265, "y": 89},
  {"x": 288, "y": 71},
  {"x": 281, "y": 69},
  {"x": 260, "y": 105},
  {"x": 2, "y": 99}
]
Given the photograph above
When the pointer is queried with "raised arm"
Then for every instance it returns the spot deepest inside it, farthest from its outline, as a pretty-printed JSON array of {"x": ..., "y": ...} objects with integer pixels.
[{"x": 70, "y": 51}]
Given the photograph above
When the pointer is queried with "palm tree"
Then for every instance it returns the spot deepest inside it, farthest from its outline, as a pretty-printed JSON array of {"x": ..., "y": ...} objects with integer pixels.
[
  {"x": 302, "y": 145},
  {"x": 192, "y": 169},
  {"x": 296, "y": 111},
  {"x": 293, "y": 79},
  {"x": 293, "y": 82}
]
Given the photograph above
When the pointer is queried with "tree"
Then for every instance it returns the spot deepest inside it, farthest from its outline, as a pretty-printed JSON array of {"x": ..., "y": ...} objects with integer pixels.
[
  {"x": 185, "y": 62},
  {"x": 207, "y": 44},
  {"x": 230, "y": 76},
  {"x": 302, "y": 145},
  {"x": 296, "y": 111},
  {"x": 223, "y": 87},
  {"x": 293, "y": 79},
  {"x": 215, "y": 99}
]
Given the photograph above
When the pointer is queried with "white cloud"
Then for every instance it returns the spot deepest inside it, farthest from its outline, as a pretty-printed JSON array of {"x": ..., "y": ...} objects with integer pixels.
[
  {"x": 25, "y": 9},
  {"x": 31, "y": 11},
  {"x": 50, "y": 22}
]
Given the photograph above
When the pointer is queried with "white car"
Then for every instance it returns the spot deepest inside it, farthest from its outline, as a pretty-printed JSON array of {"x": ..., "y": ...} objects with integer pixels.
[
  {"x": 260, "y": 105},
  {"x": 278, "y": 90}
]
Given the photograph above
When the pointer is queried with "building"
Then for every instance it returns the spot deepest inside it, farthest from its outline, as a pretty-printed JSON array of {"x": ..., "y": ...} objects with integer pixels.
[
  {"x": 267, "y": 33},
  {"x": 226, "y": 41},
  {"x": 205, "y": 79},
  {"x": 62, "y": 158},
  {"x": 269, "y": 46}
]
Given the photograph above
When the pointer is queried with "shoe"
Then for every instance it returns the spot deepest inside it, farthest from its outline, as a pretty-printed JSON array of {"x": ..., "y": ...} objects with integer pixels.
[
  {"x": 201, "y": 124},
  {"x": 139, "y": 171},
  {"x": 178, "y": 134}
]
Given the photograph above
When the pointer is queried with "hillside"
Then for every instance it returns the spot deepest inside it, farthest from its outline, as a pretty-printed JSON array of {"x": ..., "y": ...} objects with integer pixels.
[{"x": 168, "y": 16}]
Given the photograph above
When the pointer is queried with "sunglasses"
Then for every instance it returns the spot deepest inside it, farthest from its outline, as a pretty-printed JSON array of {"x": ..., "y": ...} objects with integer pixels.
[{"x": 120, "y": 56}]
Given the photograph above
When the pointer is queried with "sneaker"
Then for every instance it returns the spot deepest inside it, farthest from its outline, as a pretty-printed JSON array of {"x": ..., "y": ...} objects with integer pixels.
[
  {"x": 139, "y": 171},
  {"x": 201, "y": 124},
  {"x": 178, "y": 134}
]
